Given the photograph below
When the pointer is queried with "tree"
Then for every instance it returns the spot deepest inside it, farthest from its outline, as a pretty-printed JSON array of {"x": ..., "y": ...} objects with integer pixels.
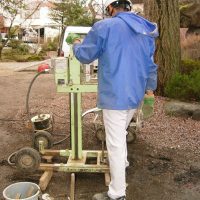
[
  {"x": 166, "y": 14},
  {"x": 70, "y": 12},
  {"x": 11, "y": 10}
]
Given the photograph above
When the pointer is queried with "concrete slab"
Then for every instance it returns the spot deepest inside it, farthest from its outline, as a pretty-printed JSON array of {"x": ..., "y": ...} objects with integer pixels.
[{"x": 22, "y": 66}]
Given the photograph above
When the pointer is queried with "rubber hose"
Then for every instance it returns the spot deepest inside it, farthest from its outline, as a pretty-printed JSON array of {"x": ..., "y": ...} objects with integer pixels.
[
  {"x": 9, "y": 158},
  {"x": 56, "y": 143},
  {"x": 27, "y": 105},
  {"x": 28, "y": 94}
]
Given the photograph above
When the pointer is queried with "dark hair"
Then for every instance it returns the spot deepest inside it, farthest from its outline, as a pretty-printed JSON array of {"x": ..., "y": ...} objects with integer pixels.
[{"x": 122, "y": 4}]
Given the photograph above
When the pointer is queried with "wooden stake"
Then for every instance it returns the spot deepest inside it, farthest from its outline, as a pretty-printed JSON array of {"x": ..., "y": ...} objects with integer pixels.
[
  {"x": 107, "y": 179},
  {"x": 29, "y": 192},
  {"x": 18, "y": 195},
  {"x": 72, "y": 188},
  {"x": 45, "y": 179}
]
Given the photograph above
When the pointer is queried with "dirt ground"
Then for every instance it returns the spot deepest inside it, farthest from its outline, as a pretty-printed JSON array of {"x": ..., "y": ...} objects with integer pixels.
[{"x": 160, "y": 168}]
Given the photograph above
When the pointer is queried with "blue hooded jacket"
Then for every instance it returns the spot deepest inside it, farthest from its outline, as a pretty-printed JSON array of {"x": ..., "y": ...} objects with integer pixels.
[{"x": 124, "y": 46}]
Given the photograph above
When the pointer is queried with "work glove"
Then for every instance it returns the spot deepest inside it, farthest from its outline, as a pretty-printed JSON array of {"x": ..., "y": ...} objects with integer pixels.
[{"x": 72, "y": 37}]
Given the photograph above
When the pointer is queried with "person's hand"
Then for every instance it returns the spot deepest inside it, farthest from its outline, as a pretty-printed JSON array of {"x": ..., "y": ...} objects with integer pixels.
[
  {"x": 149, "y": 92},
  {"x": 73, "y": 37}
]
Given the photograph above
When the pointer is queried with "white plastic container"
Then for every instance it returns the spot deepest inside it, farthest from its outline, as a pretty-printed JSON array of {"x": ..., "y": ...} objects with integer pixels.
[{"x": 24, "y": 189}]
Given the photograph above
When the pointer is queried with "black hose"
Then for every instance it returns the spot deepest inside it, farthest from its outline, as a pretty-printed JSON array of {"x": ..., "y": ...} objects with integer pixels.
[
  {"x": 12, "y": 120},
  {"x": 27, "y": 103},
  {"x": 60, "y": 141},
  {"x": 10, "y": 157},
  {"x": 28, "y": 94}
]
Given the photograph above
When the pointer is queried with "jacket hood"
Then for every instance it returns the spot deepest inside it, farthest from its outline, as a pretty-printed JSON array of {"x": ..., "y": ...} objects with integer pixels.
[{"x": 139, "y": 24}]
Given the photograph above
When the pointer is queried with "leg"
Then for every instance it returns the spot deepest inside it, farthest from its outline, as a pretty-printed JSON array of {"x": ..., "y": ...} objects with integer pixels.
[
  {"x": 115, "y": 126},
  {"x": 128, "y": 120},
  {"x": 130, "y": 116}
]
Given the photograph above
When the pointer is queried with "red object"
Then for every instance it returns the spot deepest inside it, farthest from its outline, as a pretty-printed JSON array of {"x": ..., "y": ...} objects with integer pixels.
[
  {"x": 43, "y": 67},
  {"x": 62, "y": 54}
]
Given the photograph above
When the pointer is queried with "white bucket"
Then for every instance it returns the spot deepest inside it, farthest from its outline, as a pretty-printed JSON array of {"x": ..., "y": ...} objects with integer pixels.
[{"x": 23, "y": 189}]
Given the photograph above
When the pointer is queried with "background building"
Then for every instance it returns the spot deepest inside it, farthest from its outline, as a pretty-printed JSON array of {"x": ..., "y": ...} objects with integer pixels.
[{"x": 34, "y": 22}]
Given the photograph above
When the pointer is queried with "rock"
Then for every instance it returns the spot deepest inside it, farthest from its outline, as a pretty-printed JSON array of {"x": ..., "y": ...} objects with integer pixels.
[
  {"x": 195, "y": 168},
  {"x": 183, "y": 109},
  {"x": 193, "y": 31},
  {"x": 190, "y": 15},
  {"x": 196, "y": 115}
]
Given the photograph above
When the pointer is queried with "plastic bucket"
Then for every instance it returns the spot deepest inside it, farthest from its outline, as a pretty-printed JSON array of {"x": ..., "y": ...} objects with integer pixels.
[
  {"x": 22, "y": 190},
  {"x": 41, "y": 122}
]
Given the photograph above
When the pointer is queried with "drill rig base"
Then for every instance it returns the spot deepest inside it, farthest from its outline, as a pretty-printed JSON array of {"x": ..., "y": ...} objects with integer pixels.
[{"x": 80, "y": 165}]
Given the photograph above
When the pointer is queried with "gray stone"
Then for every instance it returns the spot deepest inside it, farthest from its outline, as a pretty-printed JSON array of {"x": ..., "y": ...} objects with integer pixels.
[
  {"x": 189, "y": 15},
  {"x": 196, "y": 115},
  {"x": 177, "y": 108},
  {"x": 195, "y": 167}
]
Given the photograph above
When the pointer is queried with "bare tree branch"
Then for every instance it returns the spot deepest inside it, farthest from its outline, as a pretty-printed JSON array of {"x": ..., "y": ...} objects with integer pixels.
[{"x": 92, "y": 10}]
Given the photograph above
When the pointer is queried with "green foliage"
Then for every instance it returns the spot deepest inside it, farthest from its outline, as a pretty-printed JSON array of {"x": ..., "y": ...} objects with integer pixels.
[
  {"x": 23, "y": 49},
  {"x": 184, "y": 86},
  {"x": 14, "y": 55},
  {"x": 178, "y": 86},
  {"x": 71, "y": 13},
  {"x": 188, "y": 66},
  {"x": 195, "y": 84},
  {"x": 18, "y": 47},
  {"x": 27, "y": 58},
  {"x": 50, "y": 45},
  {"x": 14, "y": 44},
  {"x": 34, "y": 58}
]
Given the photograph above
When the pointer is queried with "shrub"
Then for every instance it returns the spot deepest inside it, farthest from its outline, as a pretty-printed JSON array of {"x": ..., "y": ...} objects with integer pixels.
[
  {"x": 195, "y": 84},
  {"x": 20, "y": 58},
  {"x": 27, "y": 58},
  {"x": 184, "y": 86},
  {"x": 50, "y": 45},
  {"x": 14, "y": 43},
  {"x": 13, "y": 55},
  {"x": 35, "y": 58},
  {"x": 178, "y": 86},
  {"x": 188, "y": 66},
  {"x": 22, "y": 49}
]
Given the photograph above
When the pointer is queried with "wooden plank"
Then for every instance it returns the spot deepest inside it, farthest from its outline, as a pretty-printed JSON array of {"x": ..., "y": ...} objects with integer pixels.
[
  {"x": 17, "y": 196},
  {"x": 51, "y": 152},
  {"x": 107, "y": 179},
  {"x": 29, "y": 192},
  {"x": 99, "y": 158},
  {"x": 75, "y": 168},
  {"x": 48, "y": 158},
  {"x": 45, "y": 179}
]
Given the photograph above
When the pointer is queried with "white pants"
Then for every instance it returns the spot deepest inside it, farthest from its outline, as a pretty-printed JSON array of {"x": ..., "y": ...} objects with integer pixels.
[{"x": 116, "y": 123}]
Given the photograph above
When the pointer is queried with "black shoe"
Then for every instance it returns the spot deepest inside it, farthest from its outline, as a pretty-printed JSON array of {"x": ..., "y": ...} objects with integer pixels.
[{"x": 104, "y": 196}]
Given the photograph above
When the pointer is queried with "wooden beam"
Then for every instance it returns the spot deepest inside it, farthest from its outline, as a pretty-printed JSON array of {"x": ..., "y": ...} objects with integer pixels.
[
  {"x": 107, "y": 179},
  {"x": 45, "y": 179},
  {"x": 72, "y": 188}
]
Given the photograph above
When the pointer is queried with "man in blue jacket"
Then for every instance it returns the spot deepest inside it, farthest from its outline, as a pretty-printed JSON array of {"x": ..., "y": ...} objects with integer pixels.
[{"x": 124, "y": 46}]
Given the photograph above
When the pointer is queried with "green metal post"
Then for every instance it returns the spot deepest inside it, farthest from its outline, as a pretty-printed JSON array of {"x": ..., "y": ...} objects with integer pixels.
[
  {"x": 75, "y": 102},
  {"x": 76, "y": 126}
]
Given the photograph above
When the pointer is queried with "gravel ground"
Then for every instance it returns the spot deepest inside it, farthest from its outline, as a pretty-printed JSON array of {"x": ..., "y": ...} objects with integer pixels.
[
  {"x": 164, "y": 163},
  {"x": 172, "y": 132},
  {"x": 160, "y": 131}
]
